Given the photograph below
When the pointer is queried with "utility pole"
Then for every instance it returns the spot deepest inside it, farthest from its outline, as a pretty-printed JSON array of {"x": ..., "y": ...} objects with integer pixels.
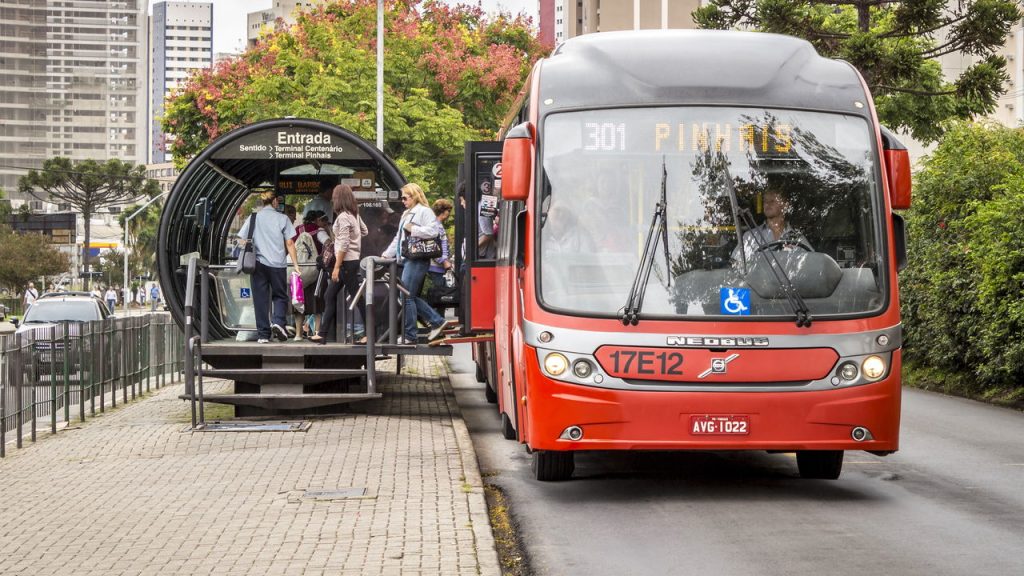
[{"x": 380, "y": 75}]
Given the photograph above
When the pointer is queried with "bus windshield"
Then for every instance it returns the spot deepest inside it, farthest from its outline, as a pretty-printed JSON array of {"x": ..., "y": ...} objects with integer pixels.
[{"x": 760, "y": 206}]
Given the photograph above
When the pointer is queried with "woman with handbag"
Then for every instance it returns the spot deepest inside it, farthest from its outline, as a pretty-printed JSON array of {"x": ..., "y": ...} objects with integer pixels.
[
  {"x": 343, "y": 261},
  {"x": 413, "y": 246}
]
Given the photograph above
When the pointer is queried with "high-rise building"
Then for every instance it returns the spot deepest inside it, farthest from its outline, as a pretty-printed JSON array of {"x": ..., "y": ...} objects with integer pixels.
[
  {"x": 74, "y": 82},
  {"x": 546, "y": 20},
  {"x": 576, "y": 17},
  {"x": 181, "y": 40},
  {"x": 283, "y": 9}
]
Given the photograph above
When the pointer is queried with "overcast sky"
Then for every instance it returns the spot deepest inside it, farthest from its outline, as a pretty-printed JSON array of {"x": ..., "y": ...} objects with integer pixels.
[{"x": 229, "y": 17}]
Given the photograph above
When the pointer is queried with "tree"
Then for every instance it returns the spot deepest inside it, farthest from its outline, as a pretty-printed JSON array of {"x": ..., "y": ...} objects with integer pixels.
[
  {"x": 962, "y": 297},
  {"x": 143, "y": 235},
  {"x": 894, "y": 44},
  {"x": 88, "y": 186},
  {"x": 450, "y": 76},
  {"x": 26, "y": 257}
]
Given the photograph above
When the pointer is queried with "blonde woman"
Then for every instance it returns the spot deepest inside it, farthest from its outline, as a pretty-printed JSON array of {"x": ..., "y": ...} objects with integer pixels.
[{"x": 418, "y": 222}]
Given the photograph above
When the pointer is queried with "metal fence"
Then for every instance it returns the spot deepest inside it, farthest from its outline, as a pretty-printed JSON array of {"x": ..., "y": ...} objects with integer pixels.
[
  {"x": 13, "y": 305},
  {"x": 73, "y": 369}
]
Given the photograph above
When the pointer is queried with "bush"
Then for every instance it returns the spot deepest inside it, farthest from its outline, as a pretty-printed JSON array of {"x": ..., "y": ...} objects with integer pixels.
[{"x": 963, "y": 299}]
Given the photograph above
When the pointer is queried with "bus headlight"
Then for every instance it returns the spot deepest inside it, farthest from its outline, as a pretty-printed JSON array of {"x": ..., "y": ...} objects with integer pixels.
[
  {"x": 582, "y": 368},
  {"x": 873, "y": 367},
  {"x": 555, "y": 364}
]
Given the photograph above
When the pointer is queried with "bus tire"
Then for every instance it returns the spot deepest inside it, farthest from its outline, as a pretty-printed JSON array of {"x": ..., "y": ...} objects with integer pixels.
[
  {"x": 820, "y": 464},
  {"x": 553, "y": 466},
  {"x": 507, "y": 431},
  {"x": 490, "y": 394}
]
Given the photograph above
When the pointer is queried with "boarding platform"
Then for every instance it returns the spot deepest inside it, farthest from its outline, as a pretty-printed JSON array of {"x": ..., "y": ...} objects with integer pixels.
[{"x": 293, "y": 377}]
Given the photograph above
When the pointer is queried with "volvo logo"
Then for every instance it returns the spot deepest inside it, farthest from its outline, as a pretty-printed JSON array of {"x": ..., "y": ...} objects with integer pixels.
[
  {"x": 717, "y": 341},
  {"x": 718, "y": 365}
]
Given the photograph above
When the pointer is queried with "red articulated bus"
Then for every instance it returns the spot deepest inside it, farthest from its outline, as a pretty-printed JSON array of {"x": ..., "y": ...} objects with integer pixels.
[{"x": 691, "y": 246}]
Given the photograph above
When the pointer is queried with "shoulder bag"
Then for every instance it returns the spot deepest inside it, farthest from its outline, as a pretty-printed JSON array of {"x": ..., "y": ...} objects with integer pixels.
[{"x": 247, "y": 259}]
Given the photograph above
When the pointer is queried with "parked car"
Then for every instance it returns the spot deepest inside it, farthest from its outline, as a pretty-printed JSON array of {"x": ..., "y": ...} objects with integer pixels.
[{"x": 44, "y": 323}]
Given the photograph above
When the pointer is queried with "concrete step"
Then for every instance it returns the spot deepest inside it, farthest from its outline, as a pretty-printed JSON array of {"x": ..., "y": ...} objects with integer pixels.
[
  {"x": 285, "y": 401},
  {"x": 283, "y": 375}
]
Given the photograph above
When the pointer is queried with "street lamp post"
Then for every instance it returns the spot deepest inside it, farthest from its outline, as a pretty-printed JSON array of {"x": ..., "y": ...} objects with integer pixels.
[
  {"x": 126, "y": 221},
  {"x": 380, "y": 75}
]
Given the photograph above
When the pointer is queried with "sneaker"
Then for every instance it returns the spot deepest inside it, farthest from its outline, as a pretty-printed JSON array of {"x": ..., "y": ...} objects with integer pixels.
[
  {"x": 278, "y": 332},
  {"x": 438, "y": 331},
  {"x": 405, "y": 341},
  {"x": 263, "y": 341}
]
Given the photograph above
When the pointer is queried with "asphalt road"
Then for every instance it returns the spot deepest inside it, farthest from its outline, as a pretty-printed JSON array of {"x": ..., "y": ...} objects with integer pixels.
[{"x": 950, "y": 502}]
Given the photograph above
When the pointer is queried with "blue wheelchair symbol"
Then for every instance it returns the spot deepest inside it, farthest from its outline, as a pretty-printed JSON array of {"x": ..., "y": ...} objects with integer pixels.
[
  {"x": 245, "y": 293},
  {"x": 735, "y": 301}
]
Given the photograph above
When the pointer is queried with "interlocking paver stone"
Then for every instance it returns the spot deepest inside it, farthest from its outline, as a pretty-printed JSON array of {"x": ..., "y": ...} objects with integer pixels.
[{"x": 132, "y": 492}]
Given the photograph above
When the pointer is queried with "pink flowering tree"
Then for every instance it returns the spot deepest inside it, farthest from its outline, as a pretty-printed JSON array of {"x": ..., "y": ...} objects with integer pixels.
[{"x": 451, "y": 73}]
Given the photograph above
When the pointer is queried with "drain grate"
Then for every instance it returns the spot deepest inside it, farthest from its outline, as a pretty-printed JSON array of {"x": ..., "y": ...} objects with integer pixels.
[
  {"x": 239, "y": 426},
  {"x": 336, "y": 494}
]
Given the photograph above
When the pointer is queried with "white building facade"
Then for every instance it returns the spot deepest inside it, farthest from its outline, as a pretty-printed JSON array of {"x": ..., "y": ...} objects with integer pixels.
[
  {"x": 73, "y": 83},
  {"x": 181, "y": 41}
]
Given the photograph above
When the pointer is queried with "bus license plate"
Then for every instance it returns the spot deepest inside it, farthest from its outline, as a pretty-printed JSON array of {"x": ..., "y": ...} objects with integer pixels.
[{"x": 714, "y": 424}]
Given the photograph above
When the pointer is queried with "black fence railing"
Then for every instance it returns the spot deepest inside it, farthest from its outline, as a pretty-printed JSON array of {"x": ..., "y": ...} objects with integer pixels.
[{"x": 72, "y": 369}]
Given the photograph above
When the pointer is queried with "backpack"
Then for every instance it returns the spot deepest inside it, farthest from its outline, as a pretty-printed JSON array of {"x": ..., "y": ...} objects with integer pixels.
[{"x": 306, "y": 250}]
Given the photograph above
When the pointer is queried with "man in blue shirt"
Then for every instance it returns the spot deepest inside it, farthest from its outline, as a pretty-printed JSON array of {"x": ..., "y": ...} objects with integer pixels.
[{"x": 272, "y": 238}]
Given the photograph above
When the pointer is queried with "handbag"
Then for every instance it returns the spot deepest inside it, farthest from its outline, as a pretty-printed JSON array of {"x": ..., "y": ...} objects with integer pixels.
[
  {"x": 247, "y": 259},
  {"x": 298, "y": 297}
]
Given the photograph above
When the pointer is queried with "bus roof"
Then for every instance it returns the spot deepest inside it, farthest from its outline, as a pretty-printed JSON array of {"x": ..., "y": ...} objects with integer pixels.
[{"x": 696, "y": 67}]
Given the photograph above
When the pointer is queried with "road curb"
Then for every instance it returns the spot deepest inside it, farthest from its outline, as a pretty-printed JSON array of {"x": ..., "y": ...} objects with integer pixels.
[{"x": 487, "y": 551}]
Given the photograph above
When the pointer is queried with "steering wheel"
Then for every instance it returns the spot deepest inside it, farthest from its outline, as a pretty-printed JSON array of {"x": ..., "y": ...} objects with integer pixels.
[{"x": 778, "y": 244}]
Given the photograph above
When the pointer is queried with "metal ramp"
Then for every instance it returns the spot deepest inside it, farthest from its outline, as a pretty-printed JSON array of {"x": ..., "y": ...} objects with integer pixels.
[{"x": 292, "y": 377}]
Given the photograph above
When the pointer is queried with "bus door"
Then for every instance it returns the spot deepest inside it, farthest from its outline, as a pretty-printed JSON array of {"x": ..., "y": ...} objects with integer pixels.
[{"x": 481, "y": 171}]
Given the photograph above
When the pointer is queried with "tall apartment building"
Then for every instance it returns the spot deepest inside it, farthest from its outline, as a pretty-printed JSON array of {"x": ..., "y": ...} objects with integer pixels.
[
  {"x": 575, "y": 17},
  {"x": 73, "y": 83},
  {"x": 181, "y": 40},
  {"x": 283, "y": 9}
]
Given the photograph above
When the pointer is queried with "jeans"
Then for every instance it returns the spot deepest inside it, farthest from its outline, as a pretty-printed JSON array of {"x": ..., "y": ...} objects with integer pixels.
[
  {"x": 413, "y": 273},
  {"x": 349, "y": 279},
  {"x": 269, "y": 285},
  {"x": 110, "y": 305}
]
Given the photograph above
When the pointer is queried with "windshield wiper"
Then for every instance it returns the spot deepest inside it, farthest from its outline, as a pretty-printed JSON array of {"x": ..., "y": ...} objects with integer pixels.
[
  {"x": 630, "y": 313},
  {"x": 796, "y": 302}
]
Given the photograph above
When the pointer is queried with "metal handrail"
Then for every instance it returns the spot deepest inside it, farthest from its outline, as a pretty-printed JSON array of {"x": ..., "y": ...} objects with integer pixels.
[{"x": 83, "y": 362}]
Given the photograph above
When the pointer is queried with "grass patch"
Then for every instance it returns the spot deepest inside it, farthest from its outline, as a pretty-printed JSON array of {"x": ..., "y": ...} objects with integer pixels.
[
  {"x": 210, "y": 410},
  {"x": 964, "y": 384},
  {"x": 511, "y": 556}
]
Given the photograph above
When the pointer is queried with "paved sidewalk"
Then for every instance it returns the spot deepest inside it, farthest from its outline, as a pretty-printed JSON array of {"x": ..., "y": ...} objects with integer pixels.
[{"x": 134, "y": 492}]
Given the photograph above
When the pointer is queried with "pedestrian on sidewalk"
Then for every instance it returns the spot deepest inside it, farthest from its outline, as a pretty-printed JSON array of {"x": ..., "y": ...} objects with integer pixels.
[
  {"x": 272, "y": 239},
  {"x": 111, "y": 298},
  {"x": 154, "y": 297},
  {"x": 31, "y": 294}
]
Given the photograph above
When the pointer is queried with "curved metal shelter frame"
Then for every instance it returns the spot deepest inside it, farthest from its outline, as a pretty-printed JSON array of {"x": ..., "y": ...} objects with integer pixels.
[{"x": 209, "y": 195}]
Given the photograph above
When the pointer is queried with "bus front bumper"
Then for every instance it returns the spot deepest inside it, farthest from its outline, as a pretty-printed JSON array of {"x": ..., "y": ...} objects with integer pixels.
[{"x": 670, "y": 420}]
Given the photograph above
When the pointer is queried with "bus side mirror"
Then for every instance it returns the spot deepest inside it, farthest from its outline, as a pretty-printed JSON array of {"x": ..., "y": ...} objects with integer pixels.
[
  {"x": 897, "y": 169},
  {"x": 517, "y": 163},
  {"x": 897, "y": 173}
]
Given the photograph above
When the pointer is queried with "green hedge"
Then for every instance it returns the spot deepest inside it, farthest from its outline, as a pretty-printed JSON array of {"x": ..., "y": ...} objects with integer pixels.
[{"x": 963, "y": 293}]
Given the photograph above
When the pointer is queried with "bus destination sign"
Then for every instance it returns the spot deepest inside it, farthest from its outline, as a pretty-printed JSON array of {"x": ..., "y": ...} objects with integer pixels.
[{"x": 290, "y": 144}]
